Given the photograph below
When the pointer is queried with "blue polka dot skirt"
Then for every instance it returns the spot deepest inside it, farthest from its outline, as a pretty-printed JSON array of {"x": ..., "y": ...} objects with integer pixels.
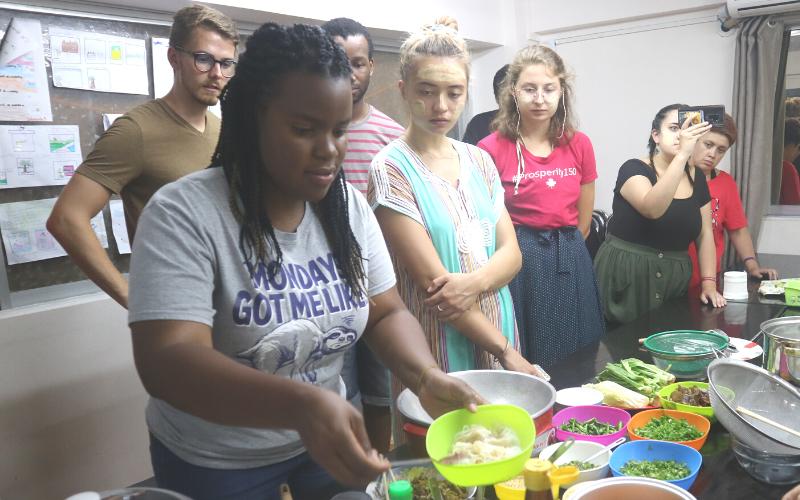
[{"x": 555, "y": 295}]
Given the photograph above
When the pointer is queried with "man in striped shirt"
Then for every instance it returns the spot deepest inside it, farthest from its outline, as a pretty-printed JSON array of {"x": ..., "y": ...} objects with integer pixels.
[
  {"x": 367, "y": 380},
  {"x": 370, "y": 130}
]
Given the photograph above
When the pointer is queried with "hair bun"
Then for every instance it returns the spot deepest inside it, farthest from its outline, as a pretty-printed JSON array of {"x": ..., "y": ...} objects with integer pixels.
[{"x": 442, "y": 23}]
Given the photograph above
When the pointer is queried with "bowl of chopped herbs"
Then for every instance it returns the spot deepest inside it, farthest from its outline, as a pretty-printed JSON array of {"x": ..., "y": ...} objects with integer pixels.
[
  {"x": 672, "y": 462},
  {"x": 681, "y": 427},
  {"x": 599, "y": 424},
  {"x": 576, "y": 455}
]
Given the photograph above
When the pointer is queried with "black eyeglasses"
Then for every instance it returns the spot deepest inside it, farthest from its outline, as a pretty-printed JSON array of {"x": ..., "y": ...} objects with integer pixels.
[{"x": 204, "y": 62}]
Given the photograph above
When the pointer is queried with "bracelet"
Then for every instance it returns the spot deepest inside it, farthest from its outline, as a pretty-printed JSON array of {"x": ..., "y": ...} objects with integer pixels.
[
  {"x": 708, "y": 278},
  {"x": 422, "y": 376},
  {"x": 744, "y": 261},
  {"x": 503, "y": 352}
]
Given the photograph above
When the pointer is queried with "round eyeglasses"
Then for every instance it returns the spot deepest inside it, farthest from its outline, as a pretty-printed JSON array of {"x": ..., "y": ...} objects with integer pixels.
[
  {"x": 204, "y": 62},
  {"x": 533, "y": 94}
]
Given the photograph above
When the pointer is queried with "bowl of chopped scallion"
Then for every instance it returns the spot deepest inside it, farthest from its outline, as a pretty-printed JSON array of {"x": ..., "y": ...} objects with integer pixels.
[
  {"x": 599, "y": 424},
  {"x": 681, "y": 427},
  {"x": 576, "y": 455},
  {"x": 672, "y": 462}
]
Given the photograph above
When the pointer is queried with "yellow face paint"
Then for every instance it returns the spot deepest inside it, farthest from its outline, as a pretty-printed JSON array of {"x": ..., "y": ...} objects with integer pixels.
[{"x": 441, "y": 71}]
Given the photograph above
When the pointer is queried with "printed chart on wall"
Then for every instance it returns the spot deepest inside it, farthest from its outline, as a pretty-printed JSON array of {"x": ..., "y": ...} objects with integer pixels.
[
  {"x": 103, "y": 63},
  {"x": 38, "y": 155},
  {"x": 25, "y": 237},
  {"x": 118, "y": 226},
  {"x": 24, "y": 93}
]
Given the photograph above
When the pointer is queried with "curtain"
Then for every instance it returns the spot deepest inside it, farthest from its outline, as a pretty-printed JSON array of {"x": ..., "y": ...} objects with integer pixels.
[{"x": 757, "y": 90}]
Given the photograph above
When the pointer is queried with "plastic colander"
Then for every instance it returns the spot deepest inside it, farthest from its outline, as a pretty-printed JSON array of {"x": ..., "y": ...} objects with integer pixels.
[
  {"x": 442, "y": 432},
  {"x": 685, "y": 353}
]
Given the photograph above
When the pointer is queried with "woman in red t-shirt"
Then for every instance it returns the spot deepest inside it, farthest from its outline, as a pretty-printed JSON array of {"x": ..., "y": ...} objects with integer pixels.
[
  {"x": 727, "y": 213},
  {"x": 548, "y": 170}
]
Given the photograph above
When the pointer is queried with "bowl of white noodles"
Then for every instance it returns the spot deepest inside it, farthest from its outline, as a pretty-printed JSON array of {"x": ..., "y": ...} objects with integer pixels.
[{"x": 486, "y": 447}]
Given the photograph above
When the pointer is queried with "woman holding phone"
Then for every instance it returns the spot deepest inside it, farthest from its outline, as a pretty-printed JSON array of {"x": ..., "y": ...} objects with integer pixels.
[{"x": 660, "y": 205}]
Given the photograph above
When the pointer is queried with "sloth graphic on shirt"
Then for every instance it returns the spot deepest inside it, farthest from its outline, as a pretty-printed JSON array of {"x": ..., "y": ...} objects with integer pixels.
[{"x": 308, "y": 314}]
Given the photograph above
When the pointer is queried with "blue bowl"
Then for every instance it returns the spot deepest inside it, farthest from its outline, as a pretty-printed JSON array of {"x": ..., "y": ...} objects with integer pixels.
[{"x": 658, "y": 450}]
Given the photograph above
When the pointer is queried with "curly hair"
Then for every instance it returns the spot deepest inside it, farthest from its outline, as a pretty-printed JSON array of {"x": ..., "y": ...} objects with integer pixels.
[
  {"x": 345, "y": 27},
  {"x": 562, "y": 124},
  {"x": 272, "y": 53}
]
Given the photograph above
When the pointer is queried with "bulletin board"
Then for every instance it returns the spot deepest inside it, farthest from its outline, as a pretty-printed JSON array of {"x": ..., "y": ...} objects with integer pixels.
[
  {"x": 73, "y": 107},
  {"x": 85, "y": 110}
]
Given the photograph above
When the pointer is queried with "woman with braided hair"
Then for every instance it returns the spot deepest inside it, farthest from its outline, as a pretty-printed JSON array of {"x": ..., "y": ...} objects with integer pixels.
[{"x": 251, "y": 279}]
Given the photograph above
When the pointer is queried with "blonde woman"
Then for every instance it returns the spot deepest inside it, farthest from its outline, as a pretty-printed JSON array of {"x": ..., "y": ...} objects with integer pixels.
[
  {"x": 548, "y": 170},
  {"x": 440, "y": 205}
]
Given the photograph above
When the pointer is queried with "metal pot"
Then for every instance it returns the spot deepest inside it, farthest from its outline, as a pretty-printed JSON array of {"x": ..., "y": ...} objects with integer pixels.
[{"x": 782, "y": 347}]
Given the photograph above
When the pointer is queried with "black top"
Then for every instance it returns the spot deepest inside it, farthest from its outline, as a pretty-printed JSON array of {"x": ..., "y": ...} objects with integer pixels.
[
  {"x": 478, "y": 127},
  {"x": 674, "y": 230}
]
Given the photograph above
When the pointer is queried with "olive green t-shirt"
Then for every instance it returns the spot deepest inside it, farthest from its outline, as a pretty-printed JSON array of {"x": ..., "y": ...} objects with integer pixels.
[{"x": 144, "y": 149}]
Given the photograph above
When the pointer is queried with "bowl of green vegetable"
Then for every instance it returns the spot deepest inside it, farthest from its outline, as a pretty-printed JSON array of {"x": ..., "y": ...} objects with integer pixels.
[
  {"x": 576, "y": 455},
  {"x": 672, "y": 462},
  {"x": 598, "y": 424},
  {"x": 681, "y": 427}
]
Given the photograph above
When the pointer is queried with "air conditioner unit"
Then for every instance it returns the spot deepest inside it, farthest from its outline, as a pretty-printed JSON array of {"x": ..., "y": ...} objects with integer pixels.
[{"x": 747, "y": 8}]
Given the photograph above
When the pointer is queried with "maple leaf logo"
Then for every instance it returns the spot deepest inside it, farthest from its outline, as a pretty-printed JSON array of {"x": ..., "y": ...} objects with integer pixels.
[{"x": 551, "y": 183}]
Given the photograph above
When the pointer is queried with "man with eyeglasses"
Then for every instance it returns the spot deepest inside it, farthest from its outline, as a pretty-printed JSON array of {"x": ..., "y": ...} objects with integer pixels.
[{"x": 151, "y": 145}]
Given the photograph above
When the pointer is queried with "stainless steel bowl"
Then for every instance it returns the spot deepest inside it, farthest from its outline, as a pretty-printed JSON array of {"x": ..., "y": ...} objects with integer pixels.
[
  {"x": 782, "y": 347},
  {"x": 735, "y": 383},
  {"x": 496, "y": 386}
]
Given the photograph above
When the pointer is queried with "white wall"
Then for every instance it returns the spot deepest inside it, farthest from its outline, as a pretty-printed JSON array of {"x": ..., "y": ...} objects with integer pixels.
[
  {"x": 71, "y": 405},
  {"x": 552, "y": 17},
  {"x": 626, "y": 71}
]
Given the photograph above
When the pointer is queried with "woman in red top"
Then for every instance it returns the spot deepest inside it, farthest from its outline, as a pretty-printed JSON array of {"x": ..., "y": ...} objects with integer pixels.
[
  {"x": 727, "y": 213},
  {"x": 548, "y": 170},
  {"x": 790, "y": 180}
]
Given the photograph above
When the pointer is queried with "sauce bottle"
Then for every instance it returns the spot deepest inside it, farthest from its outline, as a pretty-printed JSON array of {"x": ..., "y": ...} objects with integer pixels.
[{"x": 537, "y": 484}]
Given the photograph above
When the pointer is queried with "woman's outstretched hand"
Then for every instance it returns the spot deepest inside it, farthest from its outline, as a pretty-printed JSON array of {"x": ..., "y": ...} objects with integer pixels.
[
  {"x": 439, "y": 393},
  {"x": 333, "y": 432}
]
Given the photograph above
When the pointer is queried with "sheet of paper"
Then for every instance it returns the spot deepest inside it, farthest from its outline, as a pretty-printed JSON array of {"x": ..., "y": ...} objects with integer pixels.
[
  {"x": 38, "y": 155},
  {"x": 103, "y": 63},
  {"x": 162, "y": 71},
  {"x": 108, "y": 119},
  {"x": 118, "y": 226},
  {"x": 25, "y": 236},
  {"x": 24, "y": 92}
]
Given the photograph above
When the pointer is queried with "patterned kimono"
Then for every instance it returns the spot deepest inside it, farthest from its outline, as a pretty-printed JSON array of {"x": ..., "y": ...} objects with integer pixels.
[{"x": 461, "y": 223}]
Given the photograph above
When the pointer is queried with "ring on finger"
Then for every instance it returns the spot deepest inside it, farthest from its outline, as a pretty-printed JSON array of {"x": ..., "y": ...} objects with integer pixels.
[{"x": 439, "y": 307}]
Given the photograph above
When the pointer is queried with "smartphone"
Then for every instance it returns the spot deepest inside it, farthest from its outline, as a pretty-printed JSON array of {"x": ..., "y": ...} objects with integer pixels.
[{"x": 715, "y": 115}]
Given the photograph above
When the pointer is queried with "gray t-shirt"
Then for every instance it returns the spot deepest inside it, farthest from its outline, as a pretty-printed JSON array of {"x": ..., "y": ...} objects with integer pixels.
[{"x": 187, "y": 265}]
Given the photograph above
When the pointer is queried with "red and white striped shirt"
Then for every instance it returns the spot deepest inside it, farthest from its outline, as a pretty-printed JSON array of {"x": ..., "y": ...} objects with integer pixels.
[{"x": 364, "y": 140}]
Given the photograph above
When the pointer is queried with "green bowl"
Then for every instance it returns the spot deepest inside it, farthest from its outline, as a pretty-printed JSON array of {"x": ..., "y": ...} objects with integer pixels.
[
  {"x": 439, "y": 442},
  {"x": 685, "y": 353},
  {"x": 667, "y": 403}
]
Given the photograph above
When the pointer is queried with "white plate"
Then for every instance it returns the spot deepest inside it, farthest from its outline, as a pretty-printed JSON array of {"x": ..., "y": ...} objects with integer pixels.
[
  {"x": 579, "y": 396},
  {"x": 746, "y": 349}
]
